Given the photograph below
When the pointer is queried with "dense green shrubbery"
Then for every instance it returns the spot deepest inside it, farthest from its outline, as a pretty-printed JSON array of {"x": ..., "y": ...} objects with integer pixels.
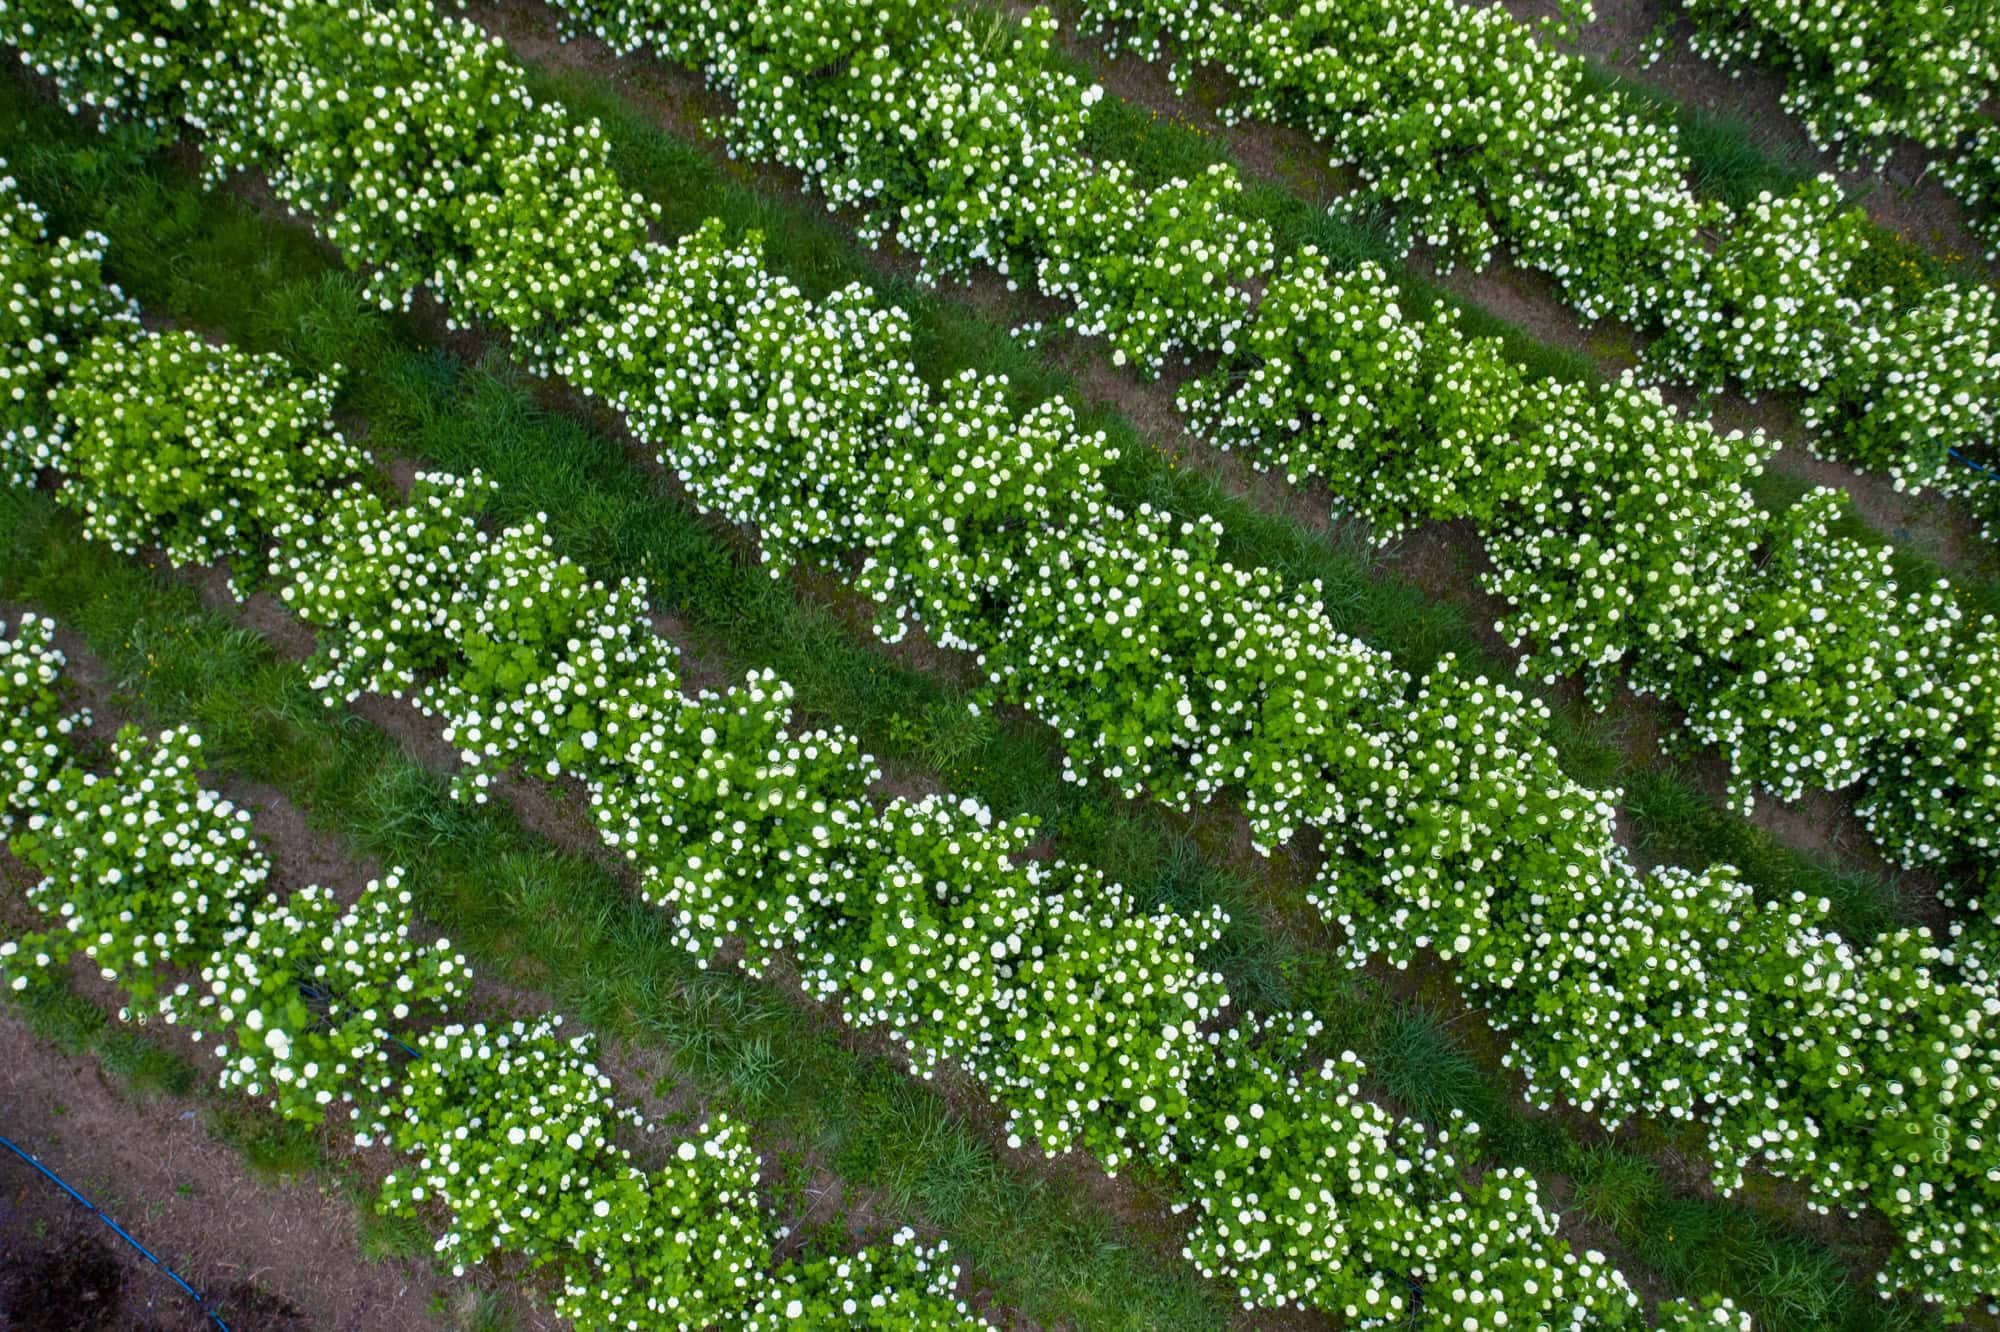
[
  {"x": 1863, "y": 76},
  {"x": 57, "y": 301},
  {"x": 302, "y": 999},
  {"x": 201, "y": 451},
  {"x": 1165, "y": 669},
  {"x": 510, "y": 1134},
  {"x": 142, "y": 869}
]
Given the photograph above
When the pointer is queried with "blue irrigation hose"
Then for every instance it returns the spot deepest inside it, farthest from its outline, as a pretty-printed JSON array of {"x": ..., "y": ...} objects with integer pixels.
[
  {"x": 117, "y": 1230},
  {"x": 1969, "y": 463}
]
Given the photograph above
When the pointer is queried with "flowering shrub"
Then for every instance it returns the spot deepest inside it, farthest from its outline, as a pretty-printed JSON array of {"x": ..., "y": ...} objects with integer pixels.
[
  {"x": 34, "y": 726},
  {"x": 143, "y": 868},
  {"x": 1861, "y": 76},
  {"x": 551, "y": 665},
  {"x": 512, "y": 211},
  {"x": 1154, "y": 272},
  {"x": 1404, "y": 419},
  {"x": 902, "y": 1286},
  {"x": 514, "y": 1132},
  {"x": 1637, "y": 526},
  {"x": 1710, "y": 1313},
  {"x": 1913, "y": 386},
  {"x": 388, "y": 577},
  {"x": 130, "y": 59},
  {"x": 1970, "y": 174},
  {"x": 1806, "y": 663},
  {"x": 305, "y": 998},
  {"x": 1938, "y": 786},
  {"x": 1774, "y": 306},
  {"x": 203, "y": 451},
  {"x": 56, "y": 301}
]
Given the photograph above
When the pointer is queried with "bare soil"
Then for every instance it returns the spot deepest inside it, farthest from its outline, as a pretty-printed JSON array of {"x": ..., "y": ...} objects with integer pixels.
[{"x": 267, "y": 1255}]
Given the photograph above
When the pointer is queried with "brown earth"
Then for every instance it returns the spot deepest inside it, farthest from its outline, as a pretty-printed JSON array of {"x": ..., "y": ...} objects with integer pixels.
[{"x": 268, "y": 1255}]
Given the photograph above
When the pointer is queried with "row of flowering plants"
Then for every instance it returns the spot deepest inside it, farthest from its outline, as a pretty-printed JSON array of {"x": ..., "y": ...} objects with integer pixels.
[
  {"x": 511, "y": 1136},
  {"x": 1626, "y": 541},
  {"x": 964, "y": 140},
  {"x": 1332, "y": 378},
  {"x": 1165, "y": 669},
  {"x": 967, "y": 144},
  {"x": 966, "y": 151},
  {"x": 156, "y": 882},
  {"x": 1863, "y": 77},
  {"x": 1091, "y": 1022},
  {"x": 1474, "y": 133}
]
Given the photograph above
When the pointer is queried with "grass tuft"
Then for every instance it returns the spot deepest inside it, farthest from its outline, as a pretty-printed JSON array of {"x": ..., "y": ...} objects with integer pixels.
[
  {"x": 1424, "y": 1070},
  {"x": 1616, "y": 1188}
]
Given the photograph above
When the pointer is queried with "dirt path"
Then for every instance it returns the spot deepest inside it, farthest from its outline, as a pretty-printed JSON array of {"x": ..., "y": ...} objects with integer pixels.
[{"x": 270, "y": 1257}]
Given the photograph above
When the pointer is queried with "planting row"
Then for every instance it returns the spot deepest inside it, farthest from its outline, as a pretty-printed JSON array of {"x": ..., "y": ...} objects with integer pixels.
[
  {"x": 1472, "y": 132},
  {"x": 512, "y": 1135},
  {"x": 1091, "y": 1023},
  {"x": 1863, "y": 76},
  {"x": 1627, "y": 542},
  {"x": 1444, "y": 816},
  {"x": 964, "y": 139}
]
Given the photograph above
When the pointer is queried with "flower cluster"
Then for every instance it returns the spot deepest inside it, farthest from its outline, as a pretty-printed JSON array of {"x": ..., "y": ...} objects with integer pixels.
[
  {"x": 305, "y": 998},
  {"x": 199, "y": 450},
  {"x": 388, "y": 574},
  {"x": 34, "y": 725},
  {"x": 1774, "y": 305},
  {"x": 899, "y": 1287},
  {"x": 552, "y": 665},
  {"x": 129, "y": 59},
  {"x": 1405, "y": 419},
  {"x": 142, "y": 868},
  {"x": 430, "y": 164},
  {"x": 55, "y": 301},
  {"x": 1912, "y": 387},
  {"x": 514, "y": 1132}
]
